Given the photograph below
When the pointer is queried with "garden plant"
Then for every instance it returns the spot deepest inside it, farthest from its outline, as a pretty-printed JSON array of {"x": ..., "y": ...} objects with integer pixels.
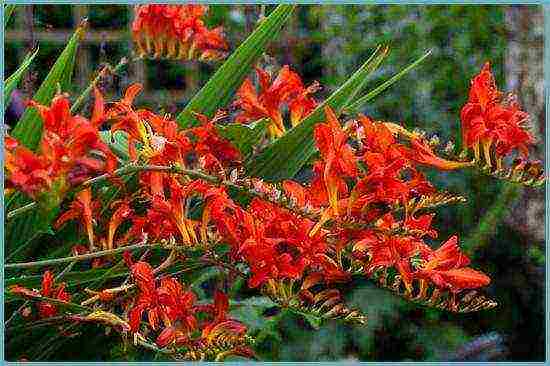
[{"x": 170, "y": 224}]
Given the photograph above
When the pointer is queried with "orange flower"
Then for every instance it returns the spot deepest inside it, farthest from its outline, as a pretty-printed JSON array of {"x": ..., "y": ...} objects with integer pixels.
[
  {"x": 338, "y": 159},
  {"x": 121, "y": 213},
  {"x": 176, "y": 31},
  {"x": 26, "y": 171},
  {"x": 45, "y": 309},
  {"x": 390, "y": 251},
  {"x": 421, "y": 153},
  {"x": 446, "y": 267},
  {"x": 267, "y": 103},
  {"x": 487, "y": 119},
  {"x": 81, "y": 208},
  {"x": 65, "y": 158}
]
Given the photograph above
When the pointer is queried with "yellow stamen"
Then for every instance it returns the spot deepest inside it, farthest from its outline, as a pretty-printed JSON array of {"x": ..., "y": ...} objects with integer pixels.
[
  {"x": 148, "y": 44},
  {"x": 191, "y": 229},
  {"x": 171, "y": 48},
  {"x": 476, "y": 151},
  {"x": 487, "y": 151},
  {"x": 191, "y": 51},
  {"x": 183, "y": 231},
  {"x": 183, "y": 47},
  {"x": 324, "y": 218},
  {"x": 499, "y": 163},
  {"x": 204, "y": 226}
]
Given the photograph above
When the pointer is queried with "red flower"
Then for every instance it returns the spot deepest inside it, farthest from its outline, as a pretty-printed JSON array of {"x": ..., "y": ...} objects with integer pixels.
[
  {"x": 121, "y": 213},
  {"x": 82, "y": 208},
  {"x": 301, "y": 106},
  {"x": 338, "y": 159},
  {"x": 67, "y": 140},
  {"x": 148, "y": 299},
  {"x": 160, "y": 140},
  {"x": 267, "y": 103},
  {"x": 390, "y": 251},
  {"x": 168, "y": 217},
  {"x": 65, "y": 151},
  {"x": 213, "y": 150},
  {"x": 45, "y": 309},
  {"x": 176, "y": 31},
  {"x": 446, "y": 267},
  {"x": 487, "y": 120},
  {"x": 26, "y": 170},
  {"x": 391, "y": 175},
  {"x": 279, "y": 246},
  {"x": 179, "y": 309},
  {"x": 421, "y": 153}
]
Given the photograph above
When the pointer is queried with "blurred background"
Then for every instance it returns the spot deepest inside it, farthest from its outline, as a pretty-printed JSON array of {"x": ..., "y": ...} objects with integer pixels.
[{"x": 501, "y": 227}]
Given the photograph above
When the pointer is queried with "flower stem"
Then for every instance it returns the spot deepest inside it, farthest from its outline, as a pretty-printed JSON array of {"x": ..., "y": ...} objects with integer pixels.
[
  {"x": 20, "y": 210},
  {"x": 77, "y": 258},
  {"x": 80, "y": 100}
]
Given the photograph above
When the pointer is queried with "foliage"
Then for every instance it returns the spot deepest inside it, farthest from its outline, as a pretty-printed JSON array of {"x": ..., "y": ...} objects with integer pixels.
[{"x": 176, "y": 248}]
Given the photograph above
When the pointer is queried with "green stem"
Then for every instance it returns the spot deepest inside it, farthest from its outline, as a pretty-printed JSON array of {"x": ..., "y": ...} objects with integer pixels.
[
  {"x": 61, "y": 303},
  {"x": 77, "y": 258},
  {"x": 486, "y": 227},
  {"x": 26, "y": 303},
  {"x": 20, "y": 210},
  {"x": 80, "y": 100}
]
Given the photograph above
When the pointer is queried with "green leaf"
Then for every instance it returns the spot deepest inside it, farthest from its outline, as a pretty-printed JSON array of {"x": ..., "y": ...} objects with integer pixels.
[
  {"x": 117, "y": 142},
  {"x": 221, "y": 87},
  {"x": 287, "y": 155},
  {"x": 11, "y": 83},
  {"x": 360, "y": 103},
  {"x": 244, "y": 137},
  {"x": 29, "y": 128},
  {"x": 8, "y": 12}
]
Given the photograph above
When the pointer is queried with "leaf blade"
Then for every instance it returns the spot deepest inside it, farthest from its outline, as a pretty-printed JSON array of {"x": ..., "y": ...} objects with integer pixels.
[
  {"x": 13, "y": 80},
  {"x": 359, "y": 103},
  {"x": 29, "y": 128}
]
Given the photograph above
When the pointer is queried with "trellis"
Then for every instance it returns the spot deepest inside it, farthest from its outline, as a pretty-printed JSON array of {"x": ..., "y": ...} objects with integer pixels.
[{"x": 86, "y": 67}]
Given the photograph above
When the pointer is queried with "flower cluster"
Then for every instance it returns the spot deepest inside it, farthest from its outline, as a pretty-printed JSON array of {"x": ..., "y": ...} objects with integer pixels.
[
  {"x": 362, "y": 212},
  {"x": 172, "y": 308},
  {"x": 70, "y": 151},
  {"x": 492, "y": 124},
  {"x": 178, "y": 32}
]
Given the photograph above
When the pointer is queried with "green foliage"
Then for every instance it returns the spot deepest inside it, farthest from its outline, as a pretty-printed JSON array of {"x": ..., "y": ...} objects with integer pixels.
[
  {"x": 8, "y": 12},
  {"x": 244, "y": 137},
  {"x": 11, "y": 83},
  {"x": 29, "y": 128},
  {"x": 361, "y": 102}
]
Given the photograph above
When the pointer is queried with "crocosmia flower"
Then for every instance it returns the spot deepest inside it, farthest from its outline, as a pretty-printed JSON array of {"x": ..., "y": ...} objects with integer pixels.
[
  {"x": 178, "y": 32},
  {"x": 490, "y": 120},
  {"x": 287, "y": 88}
]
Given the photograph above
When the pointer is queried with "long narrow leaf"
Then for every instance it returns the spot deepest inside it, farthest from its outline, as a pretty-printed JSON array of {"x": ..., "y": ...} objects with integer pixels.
[
  {"x": 360, "y": 103},
  {"x": 244, "y": 137},
  {"x": 11, "y": 83},
  {"x": 117, "y": 142},
  {"x": 29, "y": 128},
  {"x": 286, "y": 156},
  {"x": 228, "y": 78},
  {"x": 8, "y": 12}
]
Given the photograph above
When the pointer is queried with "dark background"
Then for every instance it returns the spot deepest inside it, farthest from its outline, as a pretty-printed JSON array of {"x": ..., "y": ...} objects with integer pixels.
[{"x": 501, "y": 227}]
